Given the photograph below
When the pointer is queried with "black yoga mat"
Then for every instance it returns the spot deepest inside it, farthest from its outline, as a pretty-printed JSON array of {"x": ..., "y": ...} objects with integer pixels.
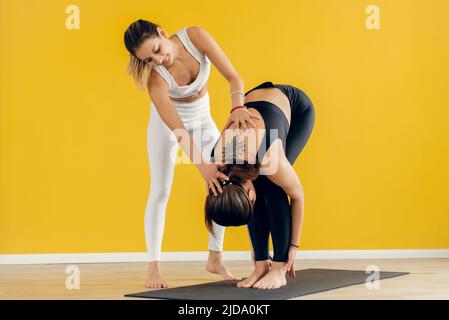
[{"x": 307, "y": 281}]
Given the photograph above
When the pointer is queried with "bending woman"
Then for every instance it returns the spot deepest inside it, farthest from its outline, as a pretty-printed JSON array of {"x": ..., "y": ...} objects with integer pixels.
[
  {"x": 179, "y": 107},
  {"x": 258, "y": 162}
]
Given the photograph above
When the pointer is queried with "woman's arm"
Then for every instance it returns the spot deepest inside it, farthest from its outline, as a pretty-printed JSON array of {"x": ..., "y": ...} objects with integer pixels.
[
  {"x": 158, "y": 90},
  {"x": 288, "y": 180},
  {"x": 207, "y": 45}
]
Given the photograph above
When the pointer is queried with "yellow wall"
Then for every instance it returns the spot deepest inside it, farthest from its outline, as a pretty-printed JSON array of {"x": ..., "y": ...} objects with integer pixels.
[{"x": 74, "y": 171}]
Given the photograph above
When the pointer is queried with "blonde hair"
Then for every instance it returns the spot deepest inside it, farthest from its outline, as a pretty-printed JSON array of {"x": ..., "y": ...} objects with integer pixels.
[
  {"x": 140, "y": 71},
  {"x": 134, "y": 36}
]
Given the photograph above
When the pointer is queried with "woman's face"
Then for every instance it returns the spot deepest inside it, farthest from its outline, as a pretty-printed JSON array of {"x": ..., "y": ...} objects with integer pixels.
[
  {"x": 156, "y": 51},
  {"x": 249, "y": 188}
]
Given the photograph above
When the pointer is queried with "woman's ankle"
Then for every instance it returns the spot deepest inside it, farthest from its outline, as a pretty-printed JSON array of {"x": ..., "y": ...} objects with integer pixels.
[
  {"x": 278, "y": 266},
  {"x": 262, "y": 265},
  {"x": 215, "y": 255},
  {"x": 154, "y": 266}
]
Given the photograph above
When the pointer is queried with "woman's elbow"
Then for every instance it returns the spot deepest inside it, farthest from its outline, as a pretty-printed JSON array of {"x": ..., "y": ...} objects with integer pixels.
[{"x": 297, "y": 194}]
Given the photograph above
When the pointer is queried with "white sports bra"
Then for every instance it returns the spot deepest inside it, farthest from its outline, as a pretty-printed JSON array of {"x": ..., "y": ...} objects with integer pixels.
[{"x": 177, "y": 91}]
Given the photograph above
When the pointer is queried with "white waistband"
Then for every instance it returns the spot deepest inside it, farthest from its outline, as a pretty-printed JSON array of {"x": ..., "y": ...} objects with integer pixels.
[
  {"x": 200, "y": 101},
  {"x": 195, "y": 110}
]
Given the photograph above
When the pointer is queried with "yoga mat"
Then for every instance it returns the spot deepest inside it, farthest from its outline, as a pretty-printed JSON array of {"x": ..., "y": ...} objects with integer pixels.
[{"x": 307, "y": 281}]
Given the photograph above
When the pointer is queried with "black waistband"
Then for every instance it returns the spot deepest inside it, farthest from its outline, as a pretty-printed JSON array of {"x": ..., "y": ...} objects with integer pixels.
[
  {"x": 299, "y": 101},
  {"x": 266, "y": 84}
]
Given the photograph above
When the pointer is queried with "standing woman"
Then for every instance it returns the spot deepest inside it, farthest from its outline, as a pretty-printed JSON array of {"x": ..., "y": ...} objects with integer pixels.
[{"x": 179, "y": 102}]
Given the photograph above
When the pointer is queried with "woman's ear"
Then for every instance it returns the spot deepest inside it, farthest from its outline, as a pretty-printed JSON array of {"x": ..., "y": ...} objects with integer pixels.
[
  {"x": 162, "y": 33},
  {"x": 252, "y": 195}
]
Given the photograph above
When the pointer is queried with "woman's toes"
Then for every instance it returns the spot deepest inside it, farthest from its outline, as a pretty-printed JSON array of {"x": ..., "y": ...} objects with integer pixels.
[{"x": 242, "y": 284}]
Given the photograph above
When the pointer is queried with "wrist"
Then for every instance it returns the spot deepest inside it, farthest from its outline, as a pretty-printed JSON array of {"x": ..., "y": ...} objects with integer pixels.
[
  {"x": 238, "y": 107},
  {"x": 202, "y": 165},
  {"x": 237, "y": 93}
]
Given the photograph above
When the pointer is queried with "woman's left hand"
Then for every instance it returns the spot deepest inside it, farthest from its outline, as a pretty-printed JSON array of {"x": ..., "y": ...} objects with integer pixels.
[
  {"x": 210, "y": 173},
  {"x": 242, "y": 118},
  {"x": 291, "y": 261}
]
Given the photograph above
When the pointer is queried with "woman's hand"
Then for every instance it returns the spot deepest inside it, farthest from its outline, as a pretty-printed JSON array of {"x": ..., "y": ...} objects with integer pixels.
[
  {"x": 242, "y": 119},
  {"x": 291, "y": 261},
  {"x": 210, "y": 173}
]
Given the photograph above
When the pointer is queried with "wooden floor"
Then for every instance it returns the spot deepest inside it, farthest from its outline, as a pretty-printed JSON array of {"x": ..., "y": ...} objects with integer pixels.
[{"x": 428, "y": 279}]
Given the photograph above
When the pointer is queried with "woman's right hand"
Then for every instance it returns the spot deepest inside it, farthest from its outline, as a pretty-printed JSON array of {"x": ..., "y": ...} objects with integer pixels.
[
  {"x": 242, "y": 118},
  {"x": 290, "y": 267},
  {"x": 210, "y": 173}
]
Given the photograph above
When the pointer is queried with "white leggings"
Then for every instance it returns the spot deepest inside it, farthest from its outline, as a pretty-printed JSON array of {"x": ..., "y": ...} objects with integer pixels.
[{"x": 162, "y": 150}]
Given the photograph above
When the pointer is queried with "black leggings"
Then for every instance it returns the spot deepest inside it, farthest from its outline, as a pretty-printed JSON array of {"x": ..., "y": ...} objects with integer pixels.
[{"x": 272, "y": 208}]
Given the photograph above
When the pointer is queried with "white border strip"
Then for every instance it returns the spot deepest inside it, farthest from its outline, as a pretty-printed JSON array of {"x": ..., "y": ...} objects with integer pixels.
[{"x": 65, "y": 258}]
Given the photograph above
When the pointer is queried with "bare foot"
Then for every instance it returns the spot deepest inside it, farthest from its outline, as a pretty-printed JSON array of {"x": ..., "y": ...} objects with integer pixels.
[
  {"x": 154, "y": 278},
  {"x": 216, "y": 265},
  {"x": 274, "y": 279},
  {"x": 261, "y": 269}
]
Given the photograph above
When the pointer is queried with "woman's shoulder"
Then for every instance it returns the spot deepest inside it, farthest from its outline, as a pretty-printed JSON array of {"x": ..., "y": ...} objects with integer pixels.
[
  {"x": 157, "y": 82},
  {"x": 193, "y": 30},
  {"x": 275, "y": 162},
  {"x": 198, "y": 36}
]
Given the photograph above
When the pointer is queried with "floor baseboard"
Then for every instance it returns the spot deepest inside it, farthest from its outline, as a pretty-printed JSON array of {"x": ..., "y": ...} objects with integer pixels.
[{"x": 66, "y": 258}]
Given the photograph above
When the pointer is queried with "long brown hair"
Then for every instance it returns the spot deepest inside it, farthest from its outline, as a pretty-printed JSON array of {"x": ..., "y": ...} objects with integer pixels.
[
  {"x": 135, "y": 35},
  {"x": 232, "y": 207}
]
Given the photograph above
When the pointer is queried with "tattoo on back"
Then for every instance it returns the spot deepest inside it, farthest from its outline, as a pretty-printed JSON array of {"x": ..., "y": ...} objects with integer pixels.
[{"x": 234, "y": 150}]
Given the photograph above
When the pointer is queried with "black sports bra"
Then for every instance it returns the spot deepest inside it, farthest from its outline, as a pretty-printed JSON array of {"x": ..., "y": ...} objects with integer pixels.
[{"x": 276, "y": 123}]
